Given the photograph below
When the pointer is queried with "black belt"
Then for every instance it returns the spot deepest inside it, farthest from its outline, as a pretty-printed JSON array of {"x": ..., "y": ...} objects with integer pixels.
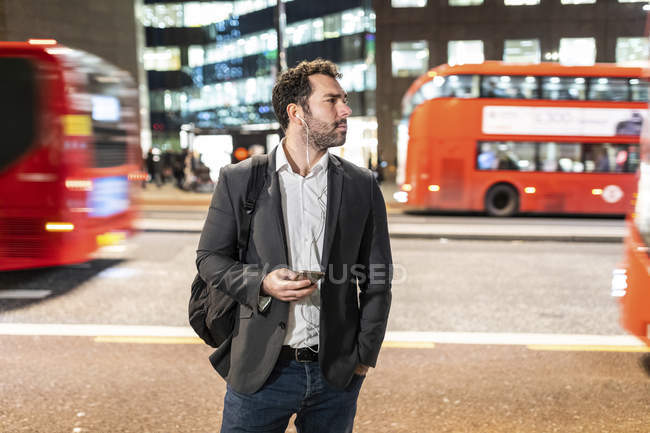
[{"x": 302, "y": 354}]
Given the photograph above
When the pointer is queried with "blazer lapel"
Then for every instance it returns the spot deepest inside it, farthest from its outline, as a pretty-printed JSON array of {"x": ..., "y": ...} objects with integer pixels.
[
  {"x": 276, "y": 216},
  {"x": 334, "y": 194}
]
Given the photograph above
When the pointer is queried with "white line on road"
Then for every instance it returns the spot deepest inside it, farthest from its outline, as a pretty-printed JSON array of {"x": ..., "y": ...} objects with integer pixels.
[
  {"x": 24, "y": 294},
  {"x": 485, "y": 338},
  {"x": 504, "y": 338},
  {"x": 82, "y": 330}
]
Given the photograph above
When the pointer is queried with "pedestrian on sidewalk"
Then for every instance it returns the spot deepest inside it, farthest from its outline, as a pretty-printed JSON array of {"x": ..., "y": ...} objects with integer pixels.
[{"x": 301, "y": 345}]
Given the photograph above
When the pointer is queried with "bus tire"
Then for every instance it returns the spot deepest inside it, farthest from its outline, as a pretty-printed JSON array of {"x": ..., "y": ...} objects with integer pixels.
[{"x": 502, "y": 200}]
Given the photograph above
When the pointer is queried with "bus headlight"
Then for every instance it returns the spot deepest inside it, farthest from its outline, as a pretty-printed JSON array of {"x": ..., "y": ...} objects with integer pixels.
[
  {"x": 434, "y": 188},
  {"x": 407, "y": 187}
]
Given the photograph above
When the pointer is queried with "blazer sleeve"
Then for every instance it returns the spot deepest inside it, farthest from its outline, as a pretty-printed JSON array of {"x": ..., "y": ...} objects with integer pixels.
[
  {"x": 217, "y": 256},
  {"x": 375, "y": 280}
]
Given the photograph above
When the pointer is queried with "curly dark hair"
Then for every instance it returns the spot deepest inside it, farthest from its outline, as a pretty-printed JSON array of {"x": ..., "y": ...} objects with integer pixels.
[{"x": 292, "y": 86}]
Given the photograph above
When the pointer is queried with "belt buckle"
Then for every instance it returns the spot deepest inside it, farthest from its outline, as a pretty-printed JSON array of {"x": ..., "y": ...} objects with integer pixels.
[{"x": 300, "y": 354}]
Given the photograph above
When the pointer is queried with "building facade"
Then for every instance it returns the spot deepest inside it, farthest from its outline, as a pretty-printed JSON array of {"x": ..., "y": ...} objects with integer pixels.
[
  {"x": 211, "y": 67},
  {"x": 415, "y": 35},
  {"x": 106, "y": 28},
  {"x": 211, "y": 64}
]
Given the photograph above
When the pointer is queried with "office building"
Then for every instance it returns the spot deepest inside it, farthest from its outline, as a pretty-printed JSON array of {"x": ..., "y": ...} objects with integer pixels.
[{"x": 211, "y": 66}]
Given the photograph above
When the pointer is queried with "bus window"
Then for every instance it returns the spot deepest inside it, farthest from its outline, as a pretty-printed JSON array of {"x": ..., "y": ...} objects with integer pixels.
[
  {"x": 509, "y": 86},
  {"x": 638, "y": 90},
  {"x": 608, "y": 89},
  {"x": 509, "y": 155},
  {"x": 17, "y": 108},
  {"x": 564, "y": 88},
  {"x": 611, "y": 158},
  {"x": 452, "y": 86},
  {"x": 563, "y": 157},
  {"x": 460, "y": 86},
  {"x": 110, "y": 144}
]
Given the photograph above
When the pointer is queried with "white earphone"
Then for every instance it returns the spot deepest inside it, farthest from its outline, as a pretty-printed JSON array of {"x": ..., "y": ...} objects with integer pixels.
[{"x": 307, "y": 127}]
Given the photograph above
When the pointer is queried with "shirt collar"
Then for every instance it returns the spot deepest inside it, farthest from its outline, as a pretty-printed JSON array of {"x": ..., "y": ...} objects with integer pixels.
[
  {"x": 282, "y": 162},
  {"x": 280, "y": 157}
]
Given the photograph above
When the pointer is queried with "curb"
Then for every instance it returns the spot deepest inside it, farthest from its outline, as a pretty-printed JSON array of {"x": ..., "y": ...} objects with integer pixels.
[{"x": 513, "y": 238}]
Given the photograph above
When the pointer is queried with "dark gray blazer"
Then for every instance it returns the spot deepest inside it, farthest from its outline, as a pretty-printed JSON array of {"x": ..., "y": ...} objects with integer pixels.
[{"x": 356, "y": 249}]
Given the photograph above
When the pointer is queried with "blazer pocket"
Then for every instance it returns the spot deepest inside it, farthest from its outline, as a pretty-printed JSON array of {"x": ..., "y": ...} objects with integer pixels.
[{"x": 245, "y": 312}]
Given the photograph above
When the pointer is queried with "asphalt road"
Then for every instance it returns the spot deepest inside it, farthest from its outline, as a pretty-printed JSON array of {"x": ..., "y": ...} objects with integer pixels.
[
  {"x": 87, "y": 384},
  {"x": 547, "y": 287}
]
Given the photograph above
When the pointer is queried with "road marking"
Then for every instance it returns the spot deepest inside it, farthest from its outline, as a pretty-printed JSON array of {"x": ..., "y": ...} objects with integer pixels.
[
  {"x": 409, "y": 344},
  {"x": 587, "y": 348},
  {"x": 519, "y": 339},
  {"x": 24, "y": 294},
  {"x": 149, "y": 340},
  {"x": 395, "y": 339},
  {"x": 84, "y": 330}
]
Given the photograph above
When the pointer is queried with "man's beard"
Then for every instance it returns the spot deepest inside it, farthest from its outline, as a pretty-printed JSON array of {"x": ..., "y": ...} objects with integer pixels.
[{"x": 323, "y": 135}]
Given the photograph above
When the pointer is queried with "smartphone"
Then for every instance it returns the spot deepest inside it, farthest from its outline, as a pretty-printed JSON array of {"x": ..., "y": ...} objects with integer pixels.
[{"x": 312, "y": 276}]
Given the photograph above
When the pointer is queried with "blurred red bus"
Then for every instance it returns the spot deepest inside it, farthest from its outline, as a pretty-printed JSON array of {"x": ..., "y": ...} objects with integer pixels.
[
  {"x": 509, "y": 138},
  {"x": 70, "y": 154},
  {"x": 631, "y": 283}
]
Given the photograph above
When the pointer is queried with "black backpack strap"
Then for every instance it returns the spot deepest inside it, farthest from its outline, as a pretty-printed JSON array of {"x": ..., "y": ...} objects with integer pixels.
[{"x": 259, "y": 164}]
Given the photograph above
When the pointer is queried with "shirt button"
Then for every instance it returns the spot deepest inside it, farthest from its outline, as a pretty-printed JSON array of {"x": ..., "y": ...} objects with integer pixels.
[{"x": 282, "y": 325}]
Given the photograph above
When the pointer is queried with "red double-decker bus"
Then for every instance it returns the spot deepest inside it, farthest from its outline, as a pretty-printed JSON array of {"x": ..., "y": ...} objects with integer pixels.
[
  {"x": 631, "y": 283},
  {"x": 510, "y": 138},
  {"x": 70, "y": 156}
]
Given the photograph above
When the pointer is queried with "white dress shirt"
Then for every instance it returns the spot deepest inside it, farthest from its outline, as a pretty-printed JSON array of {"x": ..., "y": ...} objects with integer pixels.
[{"x": 304, "y": 207}]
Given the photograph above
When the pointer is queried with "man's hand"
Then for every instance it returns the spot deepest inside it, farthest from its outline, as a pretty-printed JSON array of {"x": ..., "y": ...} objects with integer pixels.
[
  {"x": 361, "y": 370},
  {"x": 281, "y": 284}
]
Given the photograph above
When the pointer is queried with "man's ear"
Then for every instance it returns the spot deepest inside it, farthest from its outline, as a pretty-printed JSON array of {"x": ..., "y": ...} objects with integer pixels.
[{"x": 294, "y": 112}]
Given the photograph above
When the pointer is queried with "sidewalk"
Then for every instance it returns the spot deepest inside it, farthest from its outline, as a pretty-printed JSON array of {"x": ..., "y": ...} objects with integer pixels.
[
  {"x": 170, "y": 198},
  {"x": 152, "y": 197}
]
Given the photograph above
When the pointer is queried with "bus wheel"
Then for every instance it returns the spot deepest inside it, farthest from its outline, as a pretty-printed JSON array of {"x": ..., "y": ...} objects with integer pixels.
[{"x": 502, "y": 200}]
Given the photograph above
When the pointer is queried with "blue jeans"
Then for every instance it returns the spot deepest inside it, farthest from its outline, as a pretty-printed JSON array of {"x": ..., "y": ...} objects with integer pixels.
[{"x": 293, "y": 387}]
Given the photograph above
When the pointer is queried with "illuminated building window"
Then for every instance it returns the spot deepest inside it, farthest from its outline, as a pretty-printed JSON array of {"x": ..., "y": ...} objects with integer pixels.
[
  {"x": 357, "y": 77},
  {"x": 196, "y": 55},
  {"x": 577, "y": 51},
  {"x": 332, "y": 26},
  {"x": 577, "y": 2},
  {"x": 520, "y": 2},
  {"x": 522, "y": 51},
  {"x": 632, "y": 51},
  {"x": 409, "y": 58},
  {"x": 163, "y": 15},
  {"x": 162, "y": 58},
  {"x": 461, "y": 52},
  {"x": 408, "y": 3},
  {"x": 465, "y": 2},
  {"x": 352, "y": 21},
  {"x": 199, "y": 13}
]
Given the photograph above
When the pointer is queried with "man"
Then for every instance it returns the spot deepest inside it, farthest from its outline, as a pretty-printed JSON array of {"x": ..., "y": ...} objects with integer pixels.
[{"x": 300, "y": 347}]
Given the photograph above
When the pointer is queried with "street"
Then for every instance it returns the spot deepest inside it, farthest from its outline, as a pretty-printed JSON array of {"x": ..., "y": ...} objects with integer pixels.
[{"x": 484, "y": 336}]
